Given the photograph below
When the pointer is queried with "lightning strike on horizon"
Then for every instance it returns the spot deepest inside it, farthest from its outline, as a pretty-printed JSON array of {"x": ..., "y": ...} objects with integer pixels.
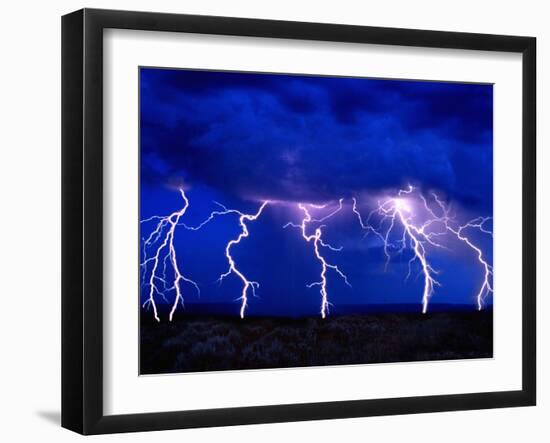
[
  {"x": 396, "y": 216},
  {"x": 478, "y": 223},
  {"x": 165, "y": 230},
  {"x": 317, "y": 240},
  {"x": 253, "y": 285},
  {"x": 418, "y": 236},
  {"x": 397, "y": 210},
  {"x": 486, "y": 287}
]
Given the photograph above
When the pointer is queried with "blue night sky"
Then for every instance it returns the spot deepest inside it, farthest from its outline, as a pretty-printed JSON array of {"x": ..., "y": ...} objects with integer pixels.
[{"x": 241, "y": 138}]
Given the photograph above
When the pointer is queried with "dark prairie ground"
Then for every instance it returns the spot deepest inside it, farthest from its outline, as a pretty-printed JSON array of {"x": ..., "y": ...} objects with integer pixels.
[{"x": 200, "y": 343}]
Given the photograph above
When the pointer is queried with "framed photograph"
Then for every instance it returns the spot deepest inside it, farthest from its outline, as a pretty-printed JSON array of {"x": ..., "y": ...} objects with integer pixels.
[{"x": 269, "y": 221}]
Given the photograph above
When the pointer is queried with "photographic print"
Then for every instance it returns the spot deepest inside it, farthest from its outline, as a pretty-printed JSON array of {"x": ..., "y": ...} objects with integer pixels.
[{"x": 291, "y": 220}]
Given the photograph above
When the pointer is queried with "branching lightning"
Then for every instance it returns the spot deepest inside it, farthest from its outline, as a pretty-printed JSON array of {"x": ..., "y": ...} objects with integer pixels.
[
  {"x": 459, "y": 231},
  {"x": 409, "y": 220},
  {"x": 398, "y": 211},
  {"x": 316, "y": 239},
  {"x": 253, "y": 285},
  {"x": 163, "y": 238},
  {"x": 486, "y": 287},
  {"x": 233, "y": 269}
]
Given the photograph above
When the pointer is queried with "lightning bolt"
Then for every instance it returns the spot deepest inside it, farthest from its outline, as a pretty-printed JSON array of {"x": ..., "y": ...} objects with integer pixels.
[
  {"x": 233, "y": 269},
  {"x": 486, "y": 287},
  {"x": 459, "y": 231},
  {"x": 163, "y": 238},
  {"x": 398, "y": 228},
  {"x": 418, "y": 236},
  {"x": 397, "y": 209},
  {"x": 318, "y": 243}
]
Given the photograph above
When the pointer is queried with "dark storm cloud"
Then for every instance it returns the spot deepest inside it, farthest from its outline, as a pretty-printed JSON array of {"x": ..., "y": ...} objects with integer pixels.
[{"x": 315, "y": 138}]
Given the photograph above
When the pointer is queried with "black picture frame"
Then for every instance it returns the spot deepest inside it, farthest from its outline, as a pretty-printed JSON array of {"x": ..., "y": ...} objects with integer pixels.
[{"x": 82, "y": 218}]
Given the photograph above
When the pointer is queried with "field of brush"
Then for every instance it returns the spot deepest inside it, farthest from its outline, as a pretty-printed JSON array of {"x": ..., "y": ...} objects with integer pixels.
[{"x": 194, "y": 343}]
